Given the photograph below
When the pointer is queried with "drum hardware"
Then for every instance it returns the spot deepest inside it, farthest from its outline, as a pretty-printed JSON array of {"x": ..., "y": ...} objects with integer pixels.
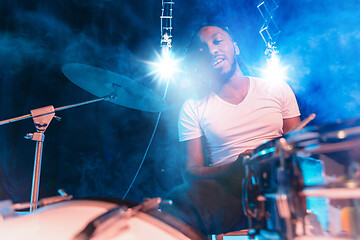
[
  {"x": 267, "y": 152},
  {"x": 7, "y": 208},
  {"x": 282, "y": 193},
  {"x": 105, "y": 85},
  {"x": 321, "y": 148},
  {"x": 65, "y": 220},
  {"x": 336, "y": 193},
  {"x": 282, "y": 201},
  {"x": 41, "y": 203},
  {"x": 105, "y": 223},
  {"x": 41, "y": 118},
  {"x": 253, "y": 208},
  {"x": 349, "y": 189},
  {"x": 62, "y": 192},
  {"x": 279, "y": 169},
  {"x": 245, "y": 158},
  {"x": 285, "y": 147},
  {"x": 253, "y": 204}
]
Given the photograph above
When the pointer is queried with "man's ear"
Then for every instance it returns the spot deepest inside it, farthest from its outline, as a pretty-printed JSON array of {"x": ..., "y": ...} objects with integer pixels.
[{"x": 237, "y": 51}]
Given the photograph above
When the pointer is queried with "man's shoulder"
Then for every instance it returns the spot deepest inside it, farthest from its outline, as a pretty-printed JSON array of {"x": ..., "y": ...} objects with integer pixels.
[
  {"x": 198, "y": 101},
  {"x": 263, "y": 81},
  {"x": 269, "y": 85}
]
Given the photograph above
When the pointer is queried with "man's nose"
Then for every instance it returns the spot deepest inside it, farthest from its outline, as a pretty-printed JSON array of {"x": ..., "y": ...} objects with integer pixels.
[{"x": 213, "y": 49}]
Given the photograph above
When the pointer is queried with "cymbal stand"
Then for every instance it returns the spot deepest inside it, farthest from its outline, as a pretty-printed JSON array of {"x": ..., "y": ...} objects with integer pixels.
[{"x": 42, "y": 118}]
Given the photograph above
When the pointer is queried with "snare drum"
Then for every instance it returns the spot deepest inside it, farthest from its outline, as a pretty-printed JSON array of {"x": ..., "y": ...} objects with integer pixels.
[
  {"x": 66, "y": 220},
  {"x": 306, "y": 184}
]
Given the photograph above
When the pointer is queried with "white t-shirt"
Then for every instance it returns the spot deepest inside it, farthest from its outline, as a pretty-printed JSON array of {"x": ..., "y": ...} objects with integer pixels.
[{"x": 231, "y": 129}]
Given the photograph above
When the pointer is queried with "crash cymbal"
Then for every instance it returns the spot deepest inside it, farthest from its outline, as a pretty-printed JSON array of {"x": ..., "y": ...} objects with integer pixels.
[{"x": 123, "y": 90}]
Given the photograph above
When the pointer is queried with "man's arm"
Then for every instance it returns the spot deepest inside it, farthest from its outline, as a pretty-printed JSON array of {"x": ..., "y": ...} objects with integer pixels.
[
  {"x": 195, "y": 169},
  {"x": 290, "y": 123}
]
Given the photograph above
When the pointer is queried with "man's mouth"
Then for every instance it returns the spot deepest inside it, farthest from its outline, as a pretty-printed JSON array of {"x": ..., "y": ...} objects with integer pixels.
[{"x": 217, "y": 61}]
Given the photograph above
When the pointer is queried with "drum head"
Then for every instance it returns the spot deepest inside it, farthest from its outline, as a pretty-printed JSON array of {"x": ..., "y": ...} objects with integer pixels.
[{"x": 65, "y": 220}]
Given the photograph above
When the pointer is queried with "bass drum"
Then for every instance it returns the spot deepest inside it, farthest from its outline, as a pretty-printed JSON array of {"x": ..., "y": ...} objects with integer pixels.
[{"x": 66, "y": 220}]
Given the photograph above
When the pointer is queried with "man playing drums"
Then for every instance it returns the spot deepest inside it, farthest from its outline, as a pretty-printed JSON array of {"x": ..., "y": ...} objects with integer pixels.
[{"x": 230, "y": 115}]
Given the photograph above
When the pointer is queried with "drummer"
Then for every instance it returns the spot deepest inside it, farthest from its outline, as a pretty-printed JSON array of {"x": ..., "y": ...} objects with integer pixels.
[{"x": 230, "y": 115}]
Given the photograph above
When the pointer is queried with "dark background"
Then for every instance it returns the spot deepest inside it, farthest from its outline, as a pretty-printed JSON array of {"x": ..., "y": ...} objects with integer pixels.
[{"x": 96, "y": 149}]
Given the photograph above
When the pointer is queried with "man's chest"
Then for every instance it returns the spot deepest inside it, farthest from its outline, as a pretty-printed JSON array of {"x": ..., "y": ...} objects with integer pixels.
[{"x": 229, "y": 123}]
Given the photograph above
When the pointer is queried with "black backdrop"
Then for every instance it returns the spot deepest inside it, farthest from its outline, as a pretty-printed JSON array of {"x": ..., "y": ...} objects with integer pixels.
[{"x": 95, "y": 149}]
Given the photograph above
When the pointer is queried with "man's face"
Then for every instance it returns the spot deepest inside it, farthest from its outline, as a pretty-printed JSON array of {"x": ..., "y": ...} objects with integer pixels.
[{"x": 217, "y": 51}]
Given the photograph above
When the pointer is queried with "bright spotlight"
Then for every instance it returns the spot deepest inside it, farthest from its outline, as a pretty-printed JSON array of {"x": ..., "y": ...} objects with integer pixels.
[
  {"x": 165, "y": 66},
  {"x": 274, "y": 71}
]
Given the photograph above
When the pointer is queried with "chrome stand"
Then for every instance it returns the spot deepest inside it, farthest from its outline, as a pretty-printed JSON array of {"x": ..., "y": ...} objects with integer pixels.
[{"x": 42, "y": 118}]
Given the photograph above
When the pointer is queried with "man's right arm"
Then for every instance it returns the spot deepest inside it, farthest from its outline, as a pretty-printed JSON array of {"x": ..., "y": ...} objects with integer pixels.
[{"x": 195, "y": 169}]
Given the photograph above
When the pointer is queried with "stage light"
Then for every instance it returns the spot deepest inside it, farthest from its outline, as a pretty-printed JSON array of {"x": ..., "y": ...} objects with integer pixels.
[
  {"x": 274, "y": 70},
  {"x": 270, "y": 32},
  {"x": 165, "y": 65}
]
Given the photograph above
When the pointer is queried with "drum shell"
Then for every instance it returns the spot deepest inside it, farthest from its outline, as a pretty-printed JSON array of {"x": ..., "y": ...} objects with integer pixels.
[
  {"x": 66, "y": 219},
  {"x": 320, "y": 180}
]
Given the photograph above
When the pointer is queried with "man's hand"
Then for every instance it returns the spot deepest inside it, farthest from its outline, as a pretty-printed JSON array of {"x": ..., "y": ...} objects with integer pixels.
[{"x": 237, "y": 169}]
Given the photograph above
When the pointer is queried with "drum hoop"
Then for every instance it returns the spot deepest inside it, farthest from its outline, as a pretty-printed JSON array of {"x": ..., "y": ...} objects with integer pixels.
[
  {"x": 309, "y": 142},
  {"x": 166, "y": 221},
  {"x": 329, "y": 133},
  {"x": 331, "y": 193},
  {"x": 79, "y": 202},
  {"x": 177, "y": 224},
  {"x": 329, "y": 147}
]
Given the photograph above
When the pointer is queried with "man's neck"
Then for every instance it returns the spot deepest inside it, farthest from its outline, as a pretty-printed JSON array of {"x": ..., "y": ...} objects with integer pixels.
[{"x": 235, "y": 89}]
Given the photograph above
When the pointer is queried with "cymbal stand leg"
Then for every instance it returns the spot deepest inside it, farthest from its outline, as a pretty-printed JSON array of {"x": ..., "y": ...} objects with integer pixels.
[
  {"x": 36, "y": 171},
  {"x": 42, "y": 118}
]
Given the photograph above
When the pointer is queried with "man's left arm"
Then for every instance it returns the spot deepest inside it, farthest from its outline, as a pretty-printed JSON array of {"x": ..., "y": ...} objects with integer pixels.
[
  {"x": 290, "y": 108},
  {"x": 290, "y": 123}
]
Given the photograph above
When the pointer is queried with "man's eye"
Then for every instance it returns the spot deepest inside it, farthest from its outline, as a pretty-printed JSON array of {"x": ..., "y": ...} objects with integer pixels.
[{"x": 216, "y": 42}]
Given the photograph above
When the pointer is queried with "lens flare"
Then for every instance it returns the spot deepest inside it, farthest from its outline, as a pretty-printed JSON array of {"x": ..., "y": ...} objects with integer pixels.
[
  {"x": 274, "y": 71},
  {"x": 165, "y": 66}
]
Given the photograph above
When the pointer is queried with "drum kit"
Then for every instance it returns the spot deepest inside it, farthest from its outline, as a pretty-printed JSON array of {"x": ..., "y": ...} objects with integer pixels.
[
  {"x": 105, "y": 85},
  {"x": 306, "y": 184},
  {"x": 303, "y": 185},
  {"x": 82, "y": 219},
  {"x": 60, "y": 217}
]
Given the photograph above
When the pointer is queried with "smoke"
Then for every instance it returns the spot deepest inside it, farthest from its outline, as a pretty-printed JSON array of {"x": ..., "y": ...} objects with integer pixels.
[
  {"x": 96, "y": 3},
  {"x": 319, "y": 41},
  {"x": 323, "y": 45},
  {"x": 103, "y": 144},
  {"x": 37, "y": 39}
]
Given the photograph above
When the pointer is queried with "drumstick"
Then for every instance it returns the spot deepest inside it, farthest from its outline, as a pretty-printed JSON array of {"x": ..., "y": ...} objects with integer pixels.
[{"x": 303, "y": 123}]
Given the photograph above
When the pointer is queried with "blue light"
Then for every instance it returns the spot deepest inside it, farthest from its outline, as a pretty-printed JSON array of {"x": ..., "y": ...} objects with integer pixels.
[
  {"x": 274, "y": 71},
  {"x": 266, "y": 151},
  {"x": 165, "y": 66}
]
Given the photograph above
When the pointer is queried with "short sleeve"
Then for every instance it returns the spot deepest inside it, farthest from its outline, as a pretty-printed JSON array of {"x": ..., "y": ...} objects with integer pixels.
[
  {"x": 188, "y": 122},
  {"x": 290, "y": 107}
]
